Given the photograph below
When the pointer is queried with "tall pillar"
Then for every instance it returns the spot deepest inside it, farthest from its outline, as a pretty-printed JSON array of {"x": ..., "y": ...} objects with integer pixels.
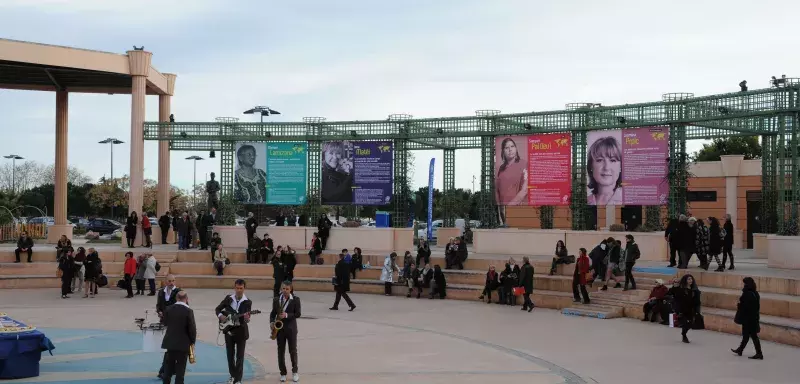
[
  {"x": 139, "y": 63},
  {"x": 164, "y": 110},
  {"x": 60, "y": 183}
]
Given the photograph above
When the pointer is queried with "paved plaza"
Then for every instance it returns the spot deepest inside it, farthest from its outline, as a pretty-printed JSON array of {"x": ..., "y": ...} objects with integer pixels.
[{"x": 393, "y": 340}]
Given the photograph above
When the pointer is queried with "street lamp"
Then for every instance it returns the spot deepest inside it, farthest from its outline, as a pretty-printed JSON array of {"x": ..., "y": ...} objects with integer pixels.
[
  {"x": 14, "y": 159},
  {"x": 261, "y": 110},
  {"x": 112, "y": 141},
  {"x": 194, "y": 183}
]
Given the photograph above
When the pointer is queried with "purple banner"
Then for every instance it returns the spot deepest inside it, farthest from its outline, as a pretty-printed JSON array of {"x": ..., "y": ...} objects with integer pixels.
[
  {"x": 357, "y": 172},
  {"x": 644, "y": 168}
]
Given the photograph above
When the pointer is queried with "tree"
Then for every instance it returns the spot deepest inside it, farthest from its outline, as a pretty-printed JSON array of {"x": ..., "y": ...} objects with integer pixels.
[
  {"x": 74, "y": 176},
  {"x": 747, "y": 146},
  {"x": 25, "y": 175}
]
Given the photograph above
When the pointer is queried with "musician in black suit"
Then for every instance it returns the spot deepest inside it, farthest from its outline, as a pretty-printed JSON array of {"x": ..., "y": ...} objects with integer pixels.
[
  {"x": 181, "y": 334},
  {"x": 166, "y": 297},
  {"x": 342, "y": 284},
  {"x": 236, "y": 304},
  {"x": 286, "y": 308}
]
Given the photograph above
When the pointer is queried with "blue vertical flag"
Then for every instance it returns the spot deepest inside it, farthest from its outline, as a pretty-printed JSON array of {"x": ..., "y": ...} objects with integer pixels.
[{"x": 430, "y": 200}]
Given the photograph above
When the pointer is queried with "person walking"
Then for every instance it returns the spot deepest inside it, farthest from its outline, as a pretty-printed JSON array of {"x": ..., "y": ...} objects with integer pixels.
[
  {"x": 747, "y": 315},
  {"x": 180, "y": 337},
  {"x": 164, "y": 223},
  {"x": 632, "y": 254},
  {"x": 526, "y": 281},
  {"x": 686, "y": 238},
  {"x": 130, "y": 271},
  {"x": 130, "y": 229},
  {"x": 673, "y": 241},
  {"x": 715, "y": 239},
  {"x": 342, "y": 284},
  {"x": 581, "y": 276},
  {"x": 727, "y": 243},
  {"x": 687, "y": 299}
]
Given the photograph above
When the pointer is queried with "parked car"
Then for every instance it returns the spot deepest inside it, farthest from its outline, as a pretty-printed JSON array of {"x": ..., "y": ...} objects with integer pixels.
[
  {"x": 422, "y": 228},
  {"x": 80, "y": 222},
  {"x": 103, "y": 226}
]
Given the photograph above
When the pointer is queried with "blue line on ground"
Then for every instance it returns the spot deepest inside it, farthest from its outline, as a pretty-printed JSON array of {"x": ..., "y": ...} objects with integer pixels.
[{"x": 659, "y": 270}]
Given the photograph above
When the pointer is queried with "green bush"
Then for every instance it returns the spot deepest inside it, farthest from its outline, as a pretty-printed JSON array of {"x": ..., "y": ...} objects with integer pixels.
[{"x": 616, "y": 228}]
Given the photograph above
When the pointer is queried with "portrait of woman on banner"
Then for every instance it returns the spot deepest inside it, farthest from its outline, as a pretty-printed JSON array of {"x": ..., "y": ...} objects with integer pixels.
[
  {"x": 604, "y": 170},
  {"x": 250, "y": 181},
  {"x": 511, "y": 181},
  {"x": 337, "y": 172}
]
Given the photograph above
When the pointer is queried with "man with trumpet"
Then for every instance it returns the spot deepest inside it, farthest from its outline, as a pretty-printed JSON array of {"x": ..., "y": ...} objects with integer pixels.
[
  {"x": 286, "y": 309},
  {"x": 179, "y": 339},
  {"x": 236, "y": 304}
]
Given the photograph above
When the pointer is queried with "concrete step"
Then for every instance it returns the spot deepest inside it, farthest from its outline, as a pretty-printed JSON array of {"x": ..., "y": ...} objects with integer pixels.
[
  {"x": 110, "y": 268},
  {"x": 45, "y": 253},
  {"x": 777, "y": 329},
  {"x": 772, "y": 304},
  {"x": 593, "y": 310}
]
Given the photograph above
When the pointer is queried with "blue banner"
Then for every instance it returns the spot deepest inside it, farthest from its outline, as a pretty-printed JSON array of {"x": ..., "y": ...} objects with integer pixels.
[
  {"x": 286, "y": 173},
  {"x": 430, "y": 200}
]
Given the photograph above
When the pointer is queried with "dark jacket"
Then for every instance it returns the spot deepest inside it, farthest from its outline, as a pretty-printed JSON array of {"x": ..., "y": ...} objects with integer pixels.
[
  {"x": 356, "y": 262},
  {"x": 175, "y": 222},
  {"x": 509, "y": 279},
  {"x": 66, "y": 264},
  {"x": 632, "y": 253},
  {"x": 337, "y": 187},
  {"x": 289, "y": 260},
  {"x": 130, "y": 227},
  {"x": 324, "y": 226},
  {"x": 598, "y": 254},
  {"x": 161, "y": 301},
  {"x": 747, "y": 311},
  {"x": 615, "y": 255},
  {"x": 164, "y": 222},
  {"x": 92, "y": 266},
  {"x": 714, "y": 240},
  {"x": 462, "y": 251},
  {"x": 316, "y": 246},
  {"x": 687, "y": 302},
  {"x": 441, "y": 282},
  {"x": 728, "y": 226},
  {"x": 292, "y": 313},
  {"x": 181, "y": 328},
  {"x": 184, "y": 226},
  {"x": 671, "y": 234},
  {"x": 25, "y": 243},
  {"x": 278, "y": 269},
  {"x": 225, "y": 308},
  {"x": 208, "y": 221},
  {"x": 686, "y": 236},
  {"x": 526, "y": 278},
  {"x": 342, "y": 271},
  {"x": 251, "y": 224},
  {"x": 215, "y": 242},
  {"x": 492, "y": 281}
]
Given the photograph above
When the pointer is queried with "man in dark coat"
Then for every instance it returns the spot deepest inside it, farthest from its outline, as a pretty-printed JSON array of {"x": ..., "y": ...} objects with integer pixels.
[
  {"x": 727, "y": 243},
  {"x": 286, "y": 308},
  {"x": 342, "y": 285},
  {"x": 163, "y": 223},
  {"x": 25, "y": 244},
  {"x": 686, "y": 236},
  {"x": 324, "y": 229},
  {"x": 278, "y": 274},
  {"x": 166, "y": 297},
  {"x": 747, "y": 315},
  {"x": 181, "y": 334},
  {"x": 671, "y": 237},
  {"x": 207, "y": 222},
  {"x": 526, "y": 281},
  {"x": 184, "y": 229},
  {"x": 250, "y": 226},
  {"x": 236, "y": 304}
]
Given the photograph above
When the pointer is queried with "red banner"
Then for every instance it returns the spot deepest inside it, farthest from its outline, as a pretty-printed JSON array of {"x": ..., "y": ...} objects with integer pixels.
[{"x": 549, "y": 169}]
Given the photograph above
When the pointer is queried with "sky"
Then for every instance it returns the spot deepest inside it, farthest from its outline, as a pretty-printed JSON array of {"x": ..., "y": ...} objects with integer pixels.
[{"x": 366, "y": 59}]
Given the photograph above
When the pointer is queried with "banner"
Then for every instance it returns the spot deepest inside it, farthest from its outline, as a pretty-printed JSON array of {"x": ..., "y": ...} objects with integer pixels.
[
  {"x": 250, "y": 175},
  {"x": 627, "y": 167},
  {"x": 430, "y": 199},
  {"x": 286, "y": 173},
  {"x": 357, "y": 172},
  {"x": 533, "y": 170}
]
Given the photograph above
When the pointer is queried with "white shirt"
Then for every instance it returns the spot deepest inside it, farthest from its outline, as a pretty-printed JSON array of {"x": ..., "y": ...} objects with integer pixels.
[
  {"x": 183, "y": 304},
  {"x": 234, "y": 303},
  {"x": 285, "y": 302},
  {"x": 168, "y": 293}
]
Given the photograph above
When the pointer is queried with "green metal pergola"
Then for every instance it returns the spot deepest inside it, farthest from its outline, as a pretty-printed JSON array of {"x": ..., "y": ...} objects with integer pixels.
[{"x": 771, "y": 113}]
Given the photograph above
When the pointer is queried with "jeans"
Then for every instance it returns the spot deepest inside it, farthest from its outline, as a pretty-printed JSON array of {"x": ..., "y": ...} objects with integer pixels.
[
  {"x": 181, "y": 241},
  {"x": 77, "y": 280},
  {"x": 152, "y": 283}
]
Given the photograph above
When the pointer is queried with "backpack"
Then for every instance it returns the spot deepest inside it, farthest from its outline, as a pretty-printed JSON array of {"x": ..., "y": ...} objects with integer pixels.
[{"x": 158, "y": 266}]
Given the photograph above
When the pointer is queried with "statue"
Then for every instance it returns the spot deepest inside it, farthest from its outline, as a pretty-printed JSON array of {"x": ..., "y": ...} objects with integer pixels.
[{"x": 212, "y": 189}]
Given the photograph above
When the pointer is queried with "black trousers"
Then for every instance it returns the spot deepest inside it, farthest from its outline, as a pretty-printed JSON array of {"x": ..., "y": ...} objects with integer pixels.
[
  {"x": 284, "y": 337},
  {"x": 686, "y": 326},
  {"x": 685, "y": 257},
  {"x": 276, "y": 287},
  {"x": 673, "y": 255},
  {"x": 30, "y": 252},
  {"x": 727, "y": 251},
  {"x": 653, "y": 307},
  {"x": 427, "y": 260},
  {"x": 235, "y": 349},
  {"x": 313, "y": 256},
  {"x": 323, "y": 241},
  {"x": 66, "y": 284},
  {"x": 203, "y": 234},
  {"x": 342, "y": 293},
  {"x": 140, "y": 286},
  {"x": 629, "y": 275},
  {"x": 250, "y": 235},
  {"x": 746, "y": 336},
  {"x": 175, "y": 365},
  {"x": 164, "y": 233},
  {"x": 528, "y": 303},
  {"x": 387, "y": 288},
  {"x": 128, "y": 284},
  {"x": 575, "y": 284},
  {"x": 152, "y": 283}
]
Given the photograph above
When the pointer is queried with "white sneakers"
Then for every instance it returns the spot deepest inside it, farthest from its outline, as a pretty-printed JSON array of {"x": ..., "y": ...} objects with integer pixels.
[
  {"x": 283, "y": 378},
  {"x": 230, "y": 381},
  {"x": 295, "y": 377}
]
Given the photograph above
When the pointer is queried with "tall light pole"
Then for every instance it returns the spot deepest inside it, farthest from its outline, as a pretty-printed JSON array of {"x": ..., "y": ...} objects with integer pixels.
[
  {"x": 194, "y": 183},
  {"x": 261, "y": 110},
  {"x": 14, "y": 159},
  {"x": 112, "y": 141}
]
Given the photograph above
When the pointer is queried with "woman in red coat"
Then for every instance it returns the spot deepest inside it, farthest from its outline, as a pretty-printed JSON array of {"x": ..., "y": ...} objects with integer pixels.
[
  {"x": 582, "y": 268},
  {"x": 129, "y": 271},
  {"x": 147, "y": 229}
]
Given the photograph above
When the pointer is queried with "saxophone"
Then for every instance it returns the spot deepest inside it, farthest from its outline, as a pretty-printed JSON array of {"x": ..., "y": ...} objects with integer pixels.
[
  {"x": 276, "y": 325},
  {"x": 192, "y": 359}
]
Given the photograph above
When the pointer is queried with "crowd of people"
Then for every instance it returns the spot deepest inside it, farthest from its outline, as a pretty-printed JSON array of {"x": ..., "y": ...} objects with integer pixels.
[{"x": 688, "y": 235}]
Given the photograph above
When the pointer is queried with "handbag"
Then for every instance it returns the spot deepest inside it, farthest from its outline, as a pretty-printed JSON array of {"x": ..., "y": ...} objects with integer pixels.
[
  {"x": 589, "y": 276},
  {"x": 59, "y": 273},
  {"x": 699, "y": 322},
  {"x": 518, "y": 291},
  {"x": 334, "y": 281}
]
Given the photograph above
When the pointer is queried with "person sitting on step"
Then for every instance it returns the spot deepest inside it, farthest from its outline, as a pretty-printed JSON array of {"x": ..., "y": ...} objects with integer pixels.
[
  {"x": 220, "y": 260},
  {"x": 492, "y": 282},
  {"x": 656, "y": 303},
  {"x": 560, "y": 257}
]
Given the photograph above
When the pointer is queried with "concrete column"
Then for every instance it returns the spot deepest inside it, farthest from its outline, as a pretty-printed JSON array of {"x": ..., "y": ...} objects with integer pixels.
[
  {"x": 139, "y": 63},
  {"x": 60, "y": 199},
  {"x": 164, "y": 110},
  {"x": 731, "y": 169},
  {"x": 611, "y": 215}
]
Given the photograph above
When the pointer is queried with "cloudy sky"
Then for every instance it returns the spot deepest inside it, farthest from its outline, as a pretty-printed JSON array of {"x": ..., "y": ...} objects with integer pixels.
[{"x": 366, "y": 59}]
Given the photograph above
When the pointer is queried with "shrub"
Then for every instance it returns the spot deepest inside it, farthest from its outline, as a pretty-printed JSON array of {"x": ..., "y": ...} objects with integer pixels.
[
  {"x": 91, "y": 235},
  {"x": 616, "y": 228}
]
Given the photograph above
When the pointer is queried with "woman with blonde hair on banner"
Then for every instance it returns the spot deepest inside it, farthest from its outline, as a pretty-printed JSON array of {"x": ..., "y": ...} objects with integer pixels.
[
  {"x": 250, "y": 181},
  {"x": 337, "y": 172},
  {"x": 604, "y": 172}
]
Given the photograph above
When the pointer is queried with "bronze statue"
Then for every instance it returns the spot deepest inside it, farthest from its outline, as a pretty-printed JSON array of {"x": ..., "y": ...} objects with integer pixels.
[{"x": 212, "y": 189}]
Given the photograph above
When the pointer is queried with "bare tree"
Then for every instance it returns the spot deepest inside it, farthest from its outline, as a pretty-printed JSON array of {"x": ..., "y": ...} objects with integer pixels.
[
  {"x": 74, "y": 176},
  {"x": 26, "y": 175}
]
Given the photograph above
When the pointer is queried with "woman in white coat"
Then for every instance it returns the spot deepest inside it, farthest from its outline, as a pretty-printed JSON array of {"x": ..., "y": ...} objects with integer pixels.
[
  {"x": 220, "y": 259},
  {"x": 150, "y": 273},
  {"x": 387, "y": 274}
]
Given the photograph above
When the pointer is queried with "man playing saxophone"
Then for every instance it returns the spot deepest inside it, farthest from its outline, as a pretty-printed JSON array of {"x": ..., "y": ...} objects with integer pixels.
[{"x": 286, "y": 308}]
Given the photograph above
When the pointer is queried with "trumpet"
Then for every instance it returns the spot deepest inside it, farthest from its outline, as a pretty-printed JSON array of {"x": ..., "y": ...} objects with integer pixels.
[
  {"x": 192, "y": 359},
  {"x": 276, "y": 325}
]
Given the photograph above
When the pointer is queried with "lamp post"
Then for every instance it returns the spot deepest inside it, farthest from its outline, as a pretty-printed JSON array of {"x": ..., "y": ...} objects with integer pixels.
[
  {"x": 112, "y": 141},
  {"x": 261, "y": 110},
  {"x": 194, "y": 183},
  {"x": 14, "y": 159}
]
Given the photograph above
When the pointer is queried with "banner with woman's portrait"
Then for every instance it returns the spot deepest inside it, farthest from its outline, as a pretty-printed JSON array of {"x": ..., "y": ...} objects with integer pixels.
[
  {"x": 627, "y": 167},
  {"x": 357, "y": 172},
  {"x": 250, "y": 174},
  {"x": 533, "y": 169}
]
